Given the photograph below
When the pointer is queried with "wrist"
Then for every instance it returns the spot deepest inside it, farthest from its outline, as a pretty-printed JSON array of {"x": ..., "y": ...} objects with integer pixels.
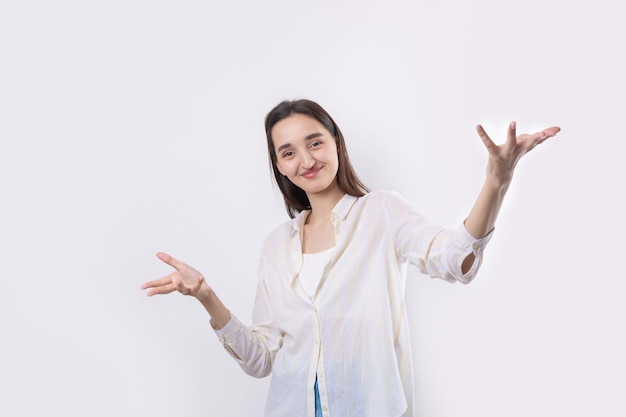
[
  {"x": 498, "y": 184},
  {"x": 205, "y": 293}
]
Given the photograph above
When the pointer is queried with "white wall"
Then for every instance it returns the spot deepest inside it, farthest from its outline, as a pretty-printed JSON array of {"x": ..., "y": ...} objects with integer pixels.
[{"x": 129, "y": 127}]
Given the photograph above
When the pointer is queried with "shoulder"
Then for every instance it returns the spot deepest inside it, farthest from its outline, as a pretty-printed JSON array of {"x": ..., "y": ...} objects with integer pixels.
[
  {"x": 383, "y": 198},
  {"x": 388, "y": 203},
  {"x": 282, "y": 233}
]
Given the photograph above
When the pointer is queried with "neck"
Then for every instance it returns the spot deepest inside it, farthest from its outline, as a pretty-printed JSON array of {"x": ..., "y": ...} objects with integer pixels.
[{"x": 322, "y": 204}]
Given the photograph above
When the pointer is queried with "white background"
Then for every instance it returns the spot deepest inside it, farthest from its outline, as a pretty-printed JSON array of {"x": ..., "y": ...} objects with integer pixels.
[{"x": 129, "y": 127}]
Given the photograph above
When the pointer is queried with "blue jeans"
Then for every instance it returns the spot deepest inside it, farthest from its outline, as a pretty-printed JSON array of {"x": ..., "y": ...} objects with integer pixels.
[{"x": 318, "y": 404}]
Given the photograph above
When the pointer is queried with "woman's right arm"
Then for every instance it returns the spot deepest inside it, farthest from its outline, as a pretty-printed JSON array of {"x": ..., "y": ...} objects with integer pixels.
[
  {"x": 189, "y": 281},
  {"x": 253, "y": 348}
]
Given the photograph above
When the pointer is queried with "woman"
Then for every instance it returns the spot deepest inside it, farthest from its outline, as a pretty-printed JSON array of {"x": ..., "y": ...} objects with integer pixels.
[{"x": 329, "y": 320}]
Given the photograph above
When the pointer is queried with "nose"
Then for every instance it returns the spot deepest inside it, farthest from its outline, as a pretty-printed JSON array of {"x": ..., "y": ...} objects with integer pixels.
[{"x": 307, "y": 161}]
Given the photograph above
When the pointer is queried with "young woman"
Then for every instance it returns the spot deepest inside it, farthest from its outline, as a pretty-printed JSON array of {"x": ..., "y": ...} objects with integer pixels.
[{"x": 329, "y": 320}]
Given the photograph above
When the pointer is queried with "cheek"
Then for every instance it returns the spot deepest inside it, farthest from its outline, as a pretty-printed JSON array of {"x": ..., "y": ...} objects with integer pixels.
[
  {"x": 335, "y": 156},
  {"x": 282, "y": 168}
]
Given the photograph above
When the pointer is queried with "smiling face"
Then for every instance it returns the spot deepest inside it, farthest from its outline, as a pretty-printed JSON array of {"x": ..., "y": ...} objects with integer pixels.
[
  {"x": 304, "y": 113},
  {"x": 306, "y": 153}
]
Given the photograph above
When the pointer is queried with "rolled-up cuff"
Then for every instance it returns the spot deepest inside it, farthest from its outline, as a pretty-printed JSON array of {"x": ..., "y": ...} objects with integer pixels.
[{"x": 475, "y": 246}]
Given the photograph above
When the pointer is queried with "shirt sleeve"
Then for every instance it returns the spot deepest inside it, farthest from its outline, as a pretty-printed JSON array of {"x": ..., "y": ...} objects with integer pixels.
[
  {"x": 255, "y": 347},
  {"x": 436, "y": 251}
]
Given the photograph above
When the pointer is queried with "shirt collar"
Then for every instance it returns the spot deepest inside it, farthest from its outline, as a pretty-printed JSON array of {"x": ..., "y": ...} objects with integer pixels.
[
  {"x": 343, "y": 206},
  {"x": 340, "y": 210}
]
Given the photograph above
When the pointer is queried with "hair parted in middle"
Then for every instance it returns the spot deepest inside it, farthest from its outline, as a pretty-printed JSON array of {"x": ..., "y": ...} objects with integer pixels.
[{"x": 296, "y": 199}]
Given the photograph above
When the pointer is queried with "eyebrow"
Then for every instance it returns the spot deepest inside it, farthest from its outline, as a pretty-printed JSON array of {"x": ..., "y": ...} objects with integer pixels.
[{"x": 307, "y": 137}]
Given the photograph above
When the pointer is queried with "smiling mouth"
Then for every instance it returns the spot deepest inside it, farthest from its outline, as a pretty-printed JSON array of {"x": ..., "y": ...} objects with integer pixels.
[{"x": 310, "y": 173}]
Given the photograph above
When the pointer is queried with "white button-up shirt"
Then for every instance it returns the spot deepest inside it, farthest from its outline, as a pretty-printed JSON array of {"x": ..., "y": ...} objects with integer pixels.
[{"x": 353, "y": 334}]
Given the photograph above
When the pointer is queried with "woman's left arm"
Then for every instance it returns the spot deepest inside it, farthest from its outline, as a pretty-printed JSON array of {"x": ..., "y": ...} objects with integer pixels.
[{"x": 502, "y": 162}]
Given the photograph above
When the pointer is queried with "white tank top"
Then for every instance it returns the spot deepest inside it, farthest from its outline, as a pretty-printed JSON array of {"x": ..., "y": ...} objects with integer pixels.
[{"x": 312, "y": 268}]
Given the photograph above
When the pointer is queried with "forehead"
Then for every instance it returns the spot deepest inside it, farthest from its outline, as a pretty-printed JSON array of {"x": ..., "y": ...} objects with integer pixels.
[{"x": 296, "y": 128}]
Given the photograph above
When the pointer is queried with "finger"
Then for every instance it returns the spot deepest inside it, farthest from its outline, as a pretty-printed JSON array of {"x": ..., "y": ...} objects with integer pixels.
[
  {"x": 485, "y": 138},
  {"x": 511, "y": 137},
  {"x": 545, "y": 134},
  {"x": 158, "y": 282},
  {"x": 551, "y": 131},
  {"x": 176, "y": 264},
  {"x": 537, "y": 138},
  {"x": 165, "y": 289}
]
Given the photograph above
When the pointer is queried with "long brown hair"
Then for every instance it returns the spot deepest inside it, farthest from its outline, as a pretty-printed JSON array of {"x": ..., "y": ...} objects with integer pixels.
[{"x": 296, "y": 199}]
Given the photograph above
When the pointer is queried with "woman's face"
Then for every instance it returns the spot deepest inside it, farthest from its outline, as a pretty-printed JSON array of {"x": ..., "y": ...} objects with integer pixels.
[{"x": 306, "y": 153}]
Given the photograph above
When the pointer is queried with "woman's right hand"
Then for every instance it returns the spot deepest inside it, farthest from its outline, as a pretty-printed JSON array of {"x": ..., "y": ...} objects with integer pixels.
[{"x": 184, "y": 279}]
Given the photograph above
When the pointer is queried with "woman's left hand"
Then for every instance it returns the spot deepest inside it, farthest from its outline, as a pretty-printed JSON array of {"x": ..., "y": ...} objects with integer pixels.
[{"x": 503, "y": 158}]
